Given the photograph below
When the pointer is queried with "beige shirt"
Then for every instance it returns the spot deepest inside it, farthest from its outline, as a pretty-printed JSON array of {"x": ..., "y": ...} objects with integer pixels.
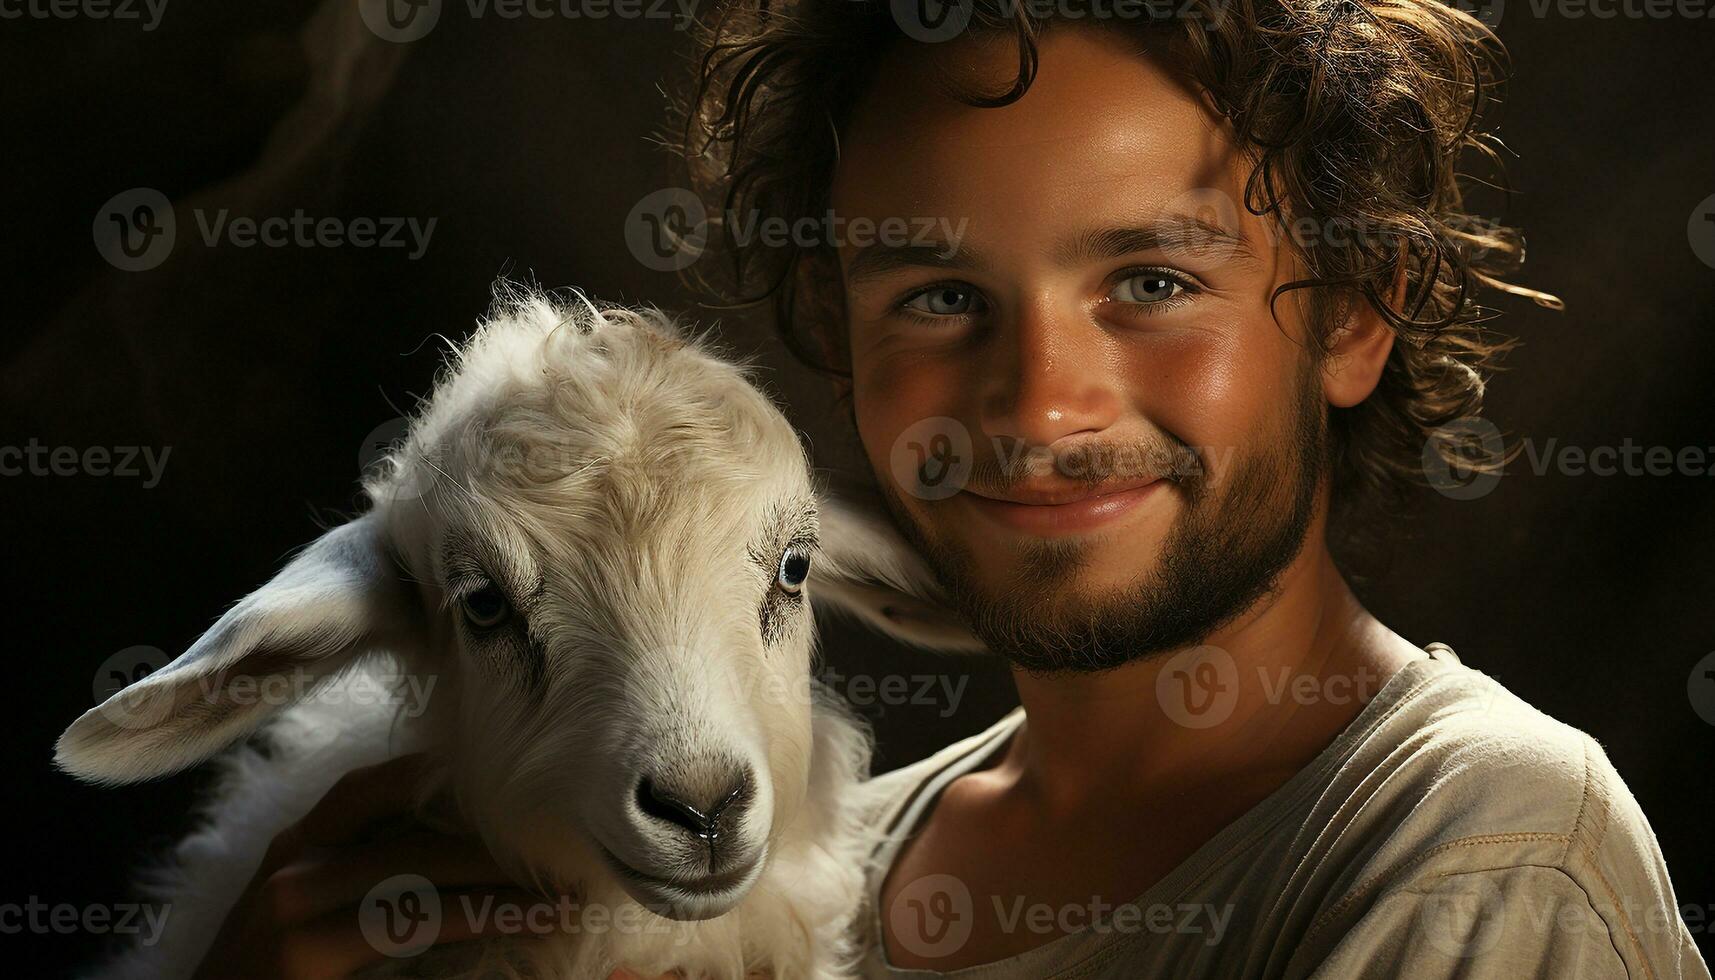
[{"x": 1450, "y": 831}]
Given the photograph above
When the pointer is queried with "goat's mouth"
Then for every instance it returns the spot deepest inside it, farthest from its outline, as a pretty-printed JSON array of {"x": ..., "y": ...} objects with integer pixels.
[{"x": 700, "y": 898}]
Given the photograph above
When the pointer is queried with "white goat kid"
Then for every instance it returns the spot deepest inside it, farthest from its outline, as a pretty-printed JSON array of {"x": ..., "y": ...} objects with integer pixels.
[{"x": 580, "y": 588}]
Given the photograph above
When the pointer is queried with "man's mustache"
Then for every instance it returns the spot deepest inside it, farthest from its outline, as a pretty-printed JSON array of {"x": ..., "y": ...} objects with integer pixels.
[{"x": 1014, "y": 462}]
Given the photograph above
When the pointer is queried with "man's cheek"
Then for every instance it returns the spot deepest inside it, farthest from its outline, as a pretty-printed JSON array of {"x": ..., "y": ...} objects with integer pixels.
[
  {"x": 1207, "y": 403},
  {"x": 912, "y": 438}
]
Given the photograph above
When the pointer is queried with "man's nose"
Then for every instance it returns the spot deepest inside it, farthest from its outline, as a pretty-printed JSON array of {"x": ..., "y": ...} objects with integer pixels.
[{"x": 1052, "y": 374}]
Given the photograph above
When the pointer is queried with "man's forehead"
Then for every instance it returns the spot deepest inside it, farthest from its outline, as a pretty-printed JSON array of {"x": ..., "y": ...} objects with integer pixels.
[{"x": 1103, "y": 135}]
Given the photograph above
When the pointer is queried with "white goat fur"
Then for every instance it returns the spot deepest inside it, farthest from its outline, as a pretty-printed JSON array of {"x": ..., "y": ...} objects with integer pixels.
[{"x": 631, "y": 492}]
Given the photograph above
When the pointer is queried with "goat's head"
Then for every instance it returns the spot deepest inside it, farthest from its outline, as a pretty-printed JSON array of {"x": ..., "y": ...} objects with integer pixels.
[{"x": 597, "y": 535}]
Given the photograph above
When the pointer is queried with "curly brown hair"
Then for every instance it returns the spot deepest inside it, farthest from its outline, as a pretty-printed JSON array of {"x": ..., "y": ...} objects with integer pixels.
[{"x": 1356, "y": 114}]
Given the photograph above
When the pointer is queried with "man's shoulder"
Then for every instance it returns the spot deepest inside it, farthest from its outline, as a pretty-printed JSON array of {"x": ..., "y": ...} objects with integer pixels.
[
  {"x": 891, "y": 792},
  {"x": 1464, "y": 786},
  {"x": 1471, "y": 758},
  {"x": 1485, "y": 759}
]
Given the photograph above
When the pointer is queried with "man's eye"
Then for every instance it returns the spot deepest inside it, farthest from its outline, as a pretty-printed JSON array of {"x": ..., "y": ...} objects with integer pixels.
[
  {"x": 1146, "y": 288},
  {"x": 945, "y": 301}
]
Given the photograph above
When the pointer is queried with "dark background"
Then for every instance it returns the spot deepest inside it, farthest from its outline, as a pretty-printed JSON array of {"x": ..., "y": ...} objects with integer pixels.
[{"x": 265, "y": 370}]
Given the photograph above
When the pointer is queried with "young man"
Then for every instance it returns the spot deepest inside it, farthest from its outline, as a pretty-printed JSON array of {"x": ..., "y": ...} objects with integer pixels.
[{"x": 1164, "y": 295}]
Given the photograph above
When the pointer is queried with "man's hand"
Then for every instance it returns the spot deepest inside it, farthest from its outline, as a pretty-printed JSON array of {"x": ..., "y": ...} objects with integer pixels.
[{"x": 298, "y": 918}]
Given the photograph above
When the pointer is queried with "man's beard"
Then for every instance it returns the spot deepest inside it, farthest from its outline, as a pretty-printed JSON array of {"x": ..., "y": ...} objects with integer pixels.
[{"x": 1223, "y": 554}]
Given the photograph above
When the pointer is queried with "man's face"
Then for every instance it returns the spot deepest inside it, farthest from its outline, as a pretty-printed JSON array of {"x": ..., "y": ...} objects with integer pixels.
[{"x": 1084, "y": 410}]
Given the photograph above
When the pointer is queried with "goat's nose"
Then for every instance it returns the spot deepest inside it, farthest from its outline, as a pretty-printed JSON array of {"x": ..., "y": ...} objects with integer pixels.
[{"x": 707, "y": 819}]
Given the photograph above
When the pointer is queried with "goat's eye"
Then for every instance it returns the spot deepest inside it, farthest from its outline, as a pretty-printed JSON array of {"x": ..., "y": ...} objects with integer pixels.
[
  {"x": 794, "y": 569},
  {"x": 486, "y": 607}
]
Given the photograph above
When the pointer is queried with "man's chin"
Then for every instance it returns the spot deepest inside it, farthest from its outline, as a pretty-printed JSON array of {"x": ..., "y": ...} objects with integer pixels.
[{"x": 1055, "y": 571}]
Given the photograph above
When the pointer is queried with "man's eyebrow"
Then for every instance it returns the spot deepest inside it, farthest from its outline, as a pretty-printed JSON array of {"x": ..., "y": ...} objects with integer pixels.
[
  {"x": 880, "y": 258},
  {"x": 1173, "y": 233}
]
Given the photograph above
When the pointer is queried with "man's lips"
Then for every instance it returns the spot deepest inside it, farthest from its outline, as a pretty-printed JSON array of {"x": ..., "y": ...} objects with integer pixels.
[{"x": 1061, "y": 510}]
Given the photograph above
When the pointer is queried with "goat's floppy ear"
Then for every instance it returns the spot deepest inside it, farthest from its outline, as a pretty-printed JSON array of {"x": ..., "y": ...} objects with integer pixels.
[
  {"x": 866, "y": 568},
  {"x": 339, "y": 598}
]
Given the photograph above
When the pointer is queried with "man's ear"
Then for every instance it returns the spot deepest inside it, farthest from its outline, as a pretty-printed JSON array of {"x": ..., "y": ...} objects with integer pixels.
[
  {"x": 338, "y": 599},
  {"x": 867, "y": 569},
  {"x": 1358, "y": 349}
]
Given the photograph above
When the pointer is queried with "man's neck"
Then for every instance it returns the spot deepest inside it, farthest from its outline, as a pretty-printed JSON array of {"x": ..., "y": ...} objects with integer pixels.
[{"x": 1260, "y": 696}]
